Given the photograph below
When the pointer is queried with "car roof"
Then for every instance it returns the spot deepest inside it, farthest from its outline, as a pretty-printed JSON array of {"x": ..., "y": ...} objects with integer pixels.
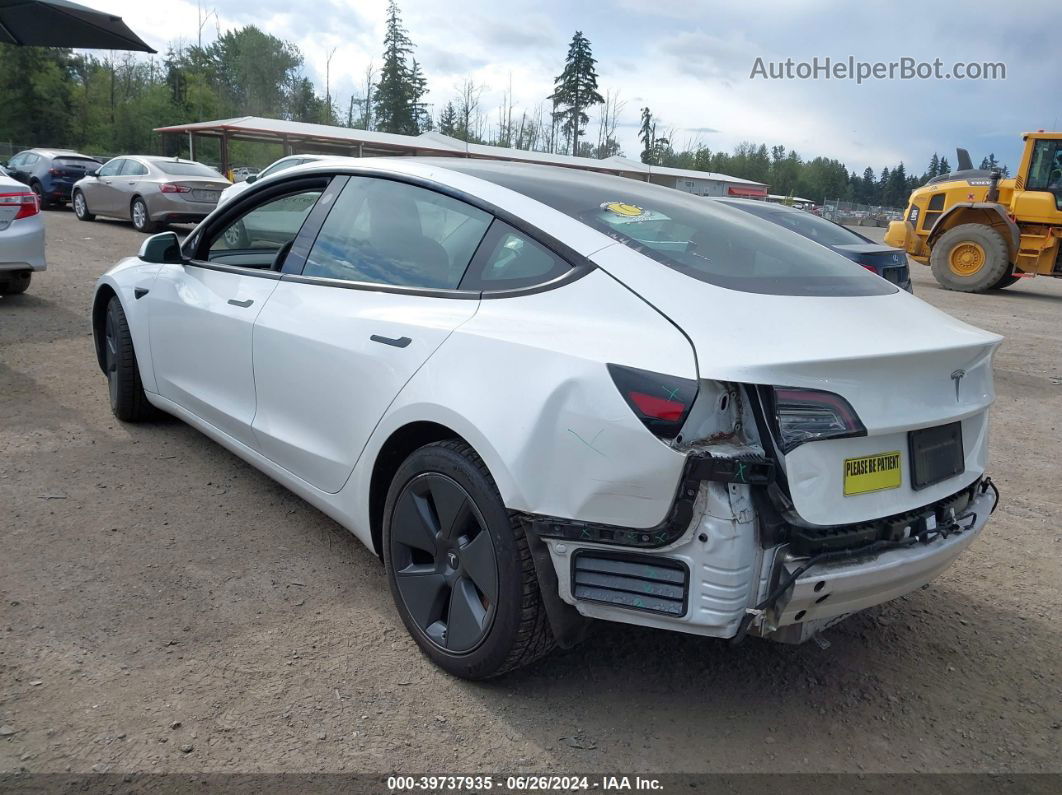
[
  {"x": 58, "y": 152},
  {"x": 760, "y": 205}
]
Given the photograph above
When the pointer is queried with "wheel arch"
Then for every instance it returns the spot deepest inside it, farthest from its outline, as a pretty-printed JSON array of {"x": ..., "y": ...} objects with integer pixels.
[
  {"x": 99, "y": 314},
  {"x": 984, "y": 213},
  {"x": 398, "y": 446}
]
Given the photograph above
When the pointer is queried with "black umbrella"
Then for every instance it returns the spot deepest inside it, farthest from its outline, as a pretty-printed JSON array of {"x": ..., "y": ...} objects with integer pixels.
[{"x": 59, "y": 23}]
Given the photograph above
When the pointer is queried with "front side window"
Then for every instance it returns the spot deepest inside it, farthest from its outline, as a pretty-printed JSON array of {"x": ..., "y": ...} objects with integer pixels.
[
  {"x": 1045, "y": 173},
  {"x": 112, "y": 167},
  {"x": 509, "y": 260},
  {"x": 704, "y": 240},
  {"x": 386, "y": 232},
  {"x": 255, "y": 239}
]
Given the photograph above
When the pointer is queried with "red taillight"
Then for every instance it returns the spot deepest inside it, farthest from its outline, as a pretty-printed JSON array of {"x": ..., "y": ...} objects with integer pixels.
[
  {"x": 26, "y": 201},
  {"x": 871, "y": 268},
  {"x": 804, "y": 415},
  {"x": 170, "y": 187},
  {"x": 55, "y": 172},
  {"x": 661, "y": 402}
]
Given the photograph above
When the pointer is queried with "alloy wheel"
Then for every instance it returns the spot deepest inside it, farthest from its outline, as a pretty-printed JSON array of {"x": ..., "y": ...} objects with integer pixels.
[
  {"x": 444, "y": 562},
  {"x": 139, "y": 214},
  {"x": 79, "y": 205}
]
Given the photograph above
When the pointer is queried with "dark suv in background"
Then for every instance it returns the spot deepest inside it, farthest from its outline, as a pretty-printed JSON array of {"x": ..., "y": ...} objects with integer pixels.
[{"x": 51, "y": 173}]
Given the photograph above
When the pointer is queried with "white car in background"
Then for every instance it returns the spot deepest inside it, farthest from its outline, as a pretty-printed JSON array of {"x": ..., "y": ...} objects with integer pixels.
[
  {"x": 21, "y": 236},
  {"x": 248, "y": 180},
  {"x": 543, "y": 395}
]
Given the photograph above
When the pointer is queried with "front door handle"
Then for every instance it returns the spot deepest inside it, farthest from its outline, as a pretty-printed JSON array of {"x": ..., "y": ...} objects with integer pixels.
[
  {"x": 400, "y": 342},
  {"x": 243, "y": 304}
]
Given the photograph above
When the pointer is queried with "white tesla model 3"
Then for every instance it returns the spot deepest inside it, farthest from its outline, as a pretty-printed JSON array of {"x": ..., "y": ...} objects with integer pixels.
[{"x": 544, "y": 396}]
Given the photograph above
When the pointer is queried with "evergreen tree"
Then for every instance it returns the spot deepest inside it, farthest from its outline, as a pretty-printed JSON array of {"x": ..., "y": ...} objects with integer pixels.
[
  {"x": 989, "y": 162},
  {"x": 575, "y": 90},
  {"x": 945, "y": 168},
  {"x": 401, "y": 86},
  {"x": 934, "y": 166},
  {"x": 867, "y": 185},
  {"x": 448, "y": 120}
]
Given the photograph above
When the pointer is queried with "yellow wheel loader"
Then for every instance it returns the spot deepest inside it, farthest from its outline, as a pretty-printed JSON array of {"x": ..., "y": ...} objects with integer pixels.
[{"x": 981, "y": 232}]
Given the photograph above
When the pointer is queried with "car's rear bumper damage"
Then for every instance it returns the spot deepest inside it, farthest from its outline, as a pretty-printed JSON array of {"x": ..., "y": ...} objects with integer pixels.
[{"x": 723, "y": 564}]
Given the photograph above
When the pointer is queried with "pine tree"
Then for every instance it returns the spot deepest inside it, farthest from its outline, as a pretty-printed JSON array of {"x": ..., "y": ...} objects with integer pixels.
[
  {"x": 945, "y": 168},
  {"x": 401, "y": 86},
  {"x": 647, "y": 135},
  {"x": 575, "y": 90},
  {"x": 448, "y": 120},
  {"x": 934, "y": 166},
  {"x": 866, "y": 189}
]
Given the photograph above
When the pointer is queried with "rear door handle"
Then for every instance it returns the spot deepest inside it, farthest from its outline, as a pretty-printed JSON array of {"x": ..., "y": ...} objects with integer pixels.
[
  {"x": 400, "y": 342},
  {"x": 243, "y": 304}
]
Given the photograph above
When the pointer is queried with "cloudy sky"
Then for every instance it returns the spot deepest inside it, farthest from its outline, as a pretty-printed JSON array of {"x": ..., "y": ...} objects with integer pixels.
[{"x": 690, "y": 62}]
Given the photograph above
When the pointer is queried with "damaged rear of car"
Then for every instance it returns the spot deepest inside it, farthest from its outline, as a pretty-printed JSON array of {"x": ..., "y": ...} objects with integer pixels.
[{"x": 835, "y": 433}]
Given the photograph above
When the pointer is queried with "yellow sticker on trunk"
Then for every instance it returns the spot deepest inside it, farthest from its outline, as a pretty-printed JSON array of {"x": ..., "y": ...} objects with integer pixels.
[{"x": 869, "y": 473}]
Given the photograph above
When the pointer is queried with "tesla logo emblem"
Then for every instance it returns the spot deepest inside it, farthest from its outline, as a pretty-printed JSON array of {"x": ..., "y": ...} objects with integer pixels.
[
  {"x": 957, "y": 377},
  {"x": 453, "y": 561}
]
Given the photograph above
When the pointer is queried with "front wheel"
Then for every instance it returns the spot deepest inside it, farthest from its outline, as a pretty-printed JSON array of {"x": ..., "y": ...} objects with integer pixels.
[
  {"x": 128, "y": 401},
  {"x": 459, "y": 566},
  {"x": 970, "y": 258},
  {"x": 141, "y": 218},
  {"x": 81, "y": 207}
]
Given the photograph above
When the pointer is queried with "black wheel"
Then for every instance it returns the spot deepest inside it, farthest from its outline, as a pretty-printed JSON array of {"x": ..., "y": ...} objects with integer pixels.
[
  {"x": 970, "y": 258},
  {"x": 128, "y": 401},
  {"x": 36, "y": 188},
  {"x": 14, "y": 283},
  {"x": 142, "y": 222},
  {"x": 459, "y": 566},
  {"x": 81, "y": 207}
]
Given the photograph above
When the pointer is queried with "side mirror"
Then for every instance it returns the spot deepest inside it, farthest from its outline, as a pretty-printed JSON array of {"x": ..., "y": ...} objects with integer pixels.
[
  {"x": 251, "y": 179},
  {"x": 94, "y": 173},
  {"x": 162, "y": 249}
]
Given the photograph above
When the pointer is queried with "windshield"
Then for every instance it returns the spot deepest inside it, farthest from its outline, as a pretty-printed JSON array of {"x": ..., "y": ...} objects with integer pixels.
[
  {"x": 186, "y": 168},
  {"x": 702, "y": 238},
  {"x": 810, "y": 226}
]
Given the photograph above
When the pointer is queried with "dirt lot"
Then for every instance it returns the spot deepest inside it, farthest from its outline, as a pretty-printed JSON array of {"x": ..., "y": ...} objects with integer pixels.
[{"x": 164, "y": 607}]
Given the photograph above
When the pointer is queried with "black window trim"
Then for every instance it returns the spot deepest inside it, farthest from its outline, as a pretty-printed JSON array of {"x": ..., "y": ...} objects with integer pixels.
[{"x": 580, "y": 265}]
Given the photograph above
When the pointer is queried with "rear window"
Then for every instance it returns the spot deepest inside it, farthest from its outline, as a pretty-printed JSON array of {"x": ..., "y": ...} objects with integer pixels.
[
  {"x": 186, "y": 169},
  {"x": 78, "y": 162},
  {"x": 701, "y": 238},
  {"x": 810, "y": 226}
]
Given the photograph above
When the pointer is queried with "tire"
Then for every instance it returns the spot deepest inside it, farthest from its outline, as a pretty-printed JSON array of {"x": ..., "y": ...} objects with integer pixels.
[
  {"x": 1006, "y": 281},
  {"x": 15, "y": 283},
  {"x": 970, "y": 258},
  {"x": 141, "y": 218},
  {"x": 36, "y": 188},
  {"x": 444, "y": 524},
  {"x": 128, "y": 401},
  {"x": 81, "y": 207}
]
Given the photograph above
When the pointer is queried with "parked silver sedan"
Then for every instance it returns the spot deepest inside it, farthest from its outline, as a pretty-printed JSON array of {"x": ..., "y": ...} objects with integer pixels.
[
  {"x": 149, "y": 191},
  {"x": 21, "y": 236}
]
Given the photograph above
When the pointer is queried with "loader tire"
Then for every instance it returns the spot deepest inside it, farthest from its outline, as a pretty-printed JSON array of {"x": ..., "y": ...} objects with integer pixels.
[{"x": 971, "y": 258}]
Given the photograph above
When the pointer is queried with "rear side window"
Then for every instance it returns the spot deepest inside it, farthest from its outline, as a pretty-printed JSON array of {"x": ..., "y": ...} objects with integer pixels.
[
  {"x": 702, "y": 239},
  {"x": 510, "y": 260},
  {"x": 386, "y": 232}
]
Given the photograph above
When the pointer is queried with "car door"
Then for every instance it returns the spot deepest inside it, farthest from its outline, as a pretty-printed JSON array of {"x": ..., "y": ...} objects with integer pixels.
[
  {"x": 101, "y": 192},
  {"x": 202, "y": 312},
  {"x": 337, "y": 340},
  {"x": 128, "y": 183}
]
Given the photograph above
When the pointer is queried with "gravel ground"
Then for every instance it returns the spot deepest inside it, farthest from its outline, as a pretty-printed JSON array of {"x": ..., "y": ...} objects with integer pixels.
[{"x": 165, "y": 607}]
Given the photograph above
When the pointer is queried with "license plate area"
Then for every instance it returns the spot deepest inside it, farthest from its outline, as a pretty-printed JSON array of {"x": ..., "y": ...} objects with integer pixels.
[
  {"x": 936, "y": 454},
  {"x": 200, "y": 195}
]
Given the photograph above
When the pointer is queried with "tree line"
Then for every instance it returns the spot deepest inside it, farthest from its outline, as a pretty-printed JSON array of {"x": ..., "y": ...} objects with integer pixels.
[{"x": 56, "y": 97}]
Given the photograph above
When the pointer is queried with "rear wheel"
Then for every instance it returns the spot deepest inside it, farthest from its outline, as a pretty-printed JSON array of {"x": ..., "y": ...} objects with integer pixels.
[
  {"x": 459, "y": 566},
  {"x": 36, "y": 188},
  {"x": 128, "y": 401},
  {"x": 15, "y": 283},
  {"x": 81, "y": 207},
  {"x": 141, "y": 218},
  {"x": 970, "y": 258}
]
